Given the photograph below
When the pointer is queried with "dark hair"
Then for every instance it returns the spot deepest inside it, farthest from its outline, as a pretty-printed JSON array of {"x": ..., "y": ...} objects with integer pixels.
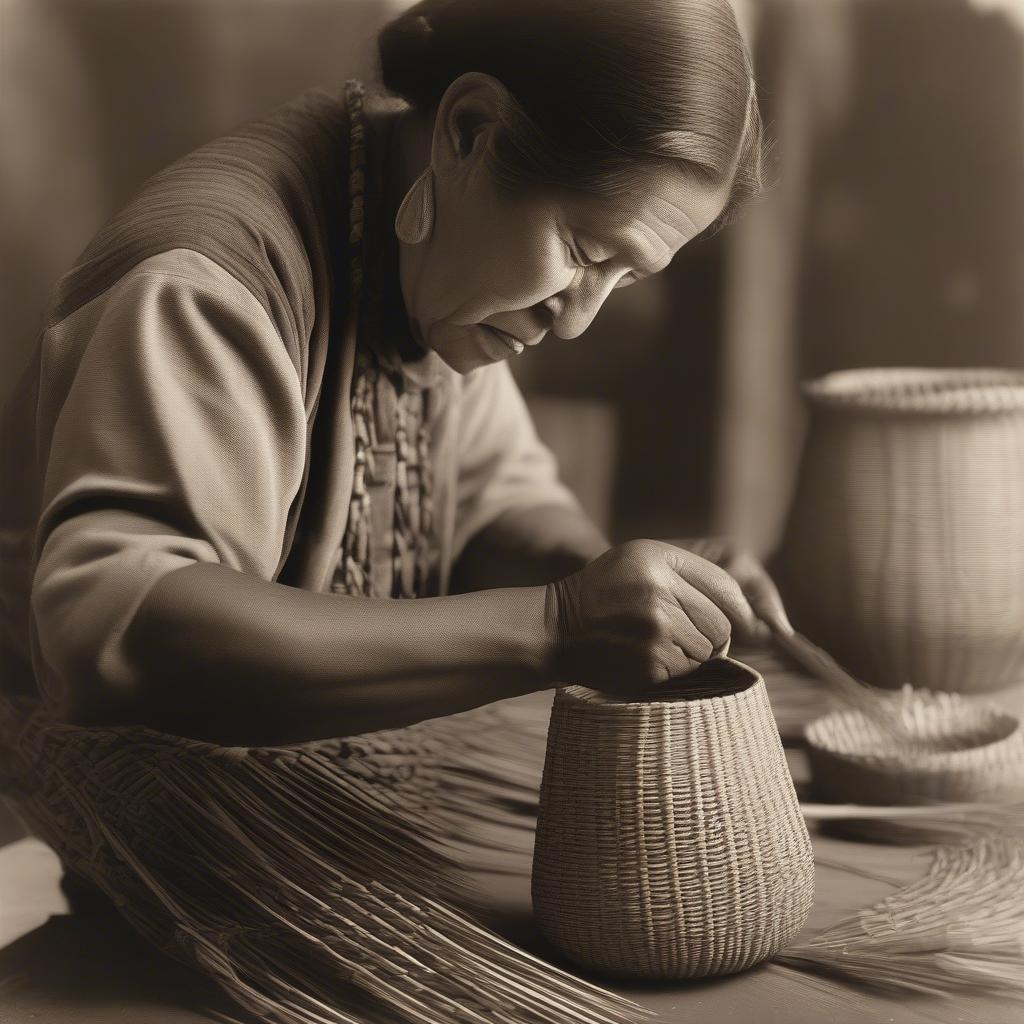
[{"x": 599, "y": 87}]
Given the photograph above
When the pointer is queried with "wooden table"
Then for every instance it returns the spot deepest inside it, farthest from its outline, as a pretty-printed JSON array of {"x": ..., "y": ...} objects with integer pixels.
[{"x": 58, "y": 968}]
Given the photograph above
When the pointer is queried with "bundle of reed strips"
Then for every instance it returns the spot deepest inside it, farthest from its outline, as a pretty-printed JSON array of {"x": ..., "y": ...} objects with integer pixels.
[
  {"x": 881, "y": 707},
  {"x": 309, "y": 881},
  {"x": 959, "y": 929}
]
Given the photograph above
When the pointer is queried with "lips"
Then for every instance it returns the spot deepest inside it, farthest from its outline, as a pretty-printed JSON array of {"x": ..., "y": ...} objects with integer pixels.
[{"x": 513, "y": 343}]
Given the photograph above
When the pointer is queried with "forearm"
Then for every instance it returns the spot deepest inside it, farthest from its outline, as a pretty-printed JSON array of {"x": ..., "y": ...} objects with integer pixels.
[
  {"x": 528, "y": 547},
  {"x": 229, "y": 657}
]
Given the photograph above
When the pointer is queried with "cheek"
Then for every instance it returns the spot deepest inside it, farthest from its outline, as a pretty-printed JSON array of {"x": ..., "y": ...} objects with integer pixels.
[
  {"x": 515, "y": 272},
  {"x": 488, "y": 256},
  {"x": 530, "y": 272}
]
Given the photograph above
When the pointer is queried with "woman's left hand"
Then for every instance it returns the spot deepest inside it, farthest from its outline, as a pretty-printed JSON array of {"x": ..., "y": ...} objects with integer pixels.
[{"x": 757, "y": 586}]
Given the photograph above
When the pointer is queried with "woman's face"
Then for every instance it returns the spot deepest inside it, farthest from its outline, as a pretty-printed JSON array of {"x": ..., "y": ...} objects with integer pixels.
[{"x": 497, "y": 273}]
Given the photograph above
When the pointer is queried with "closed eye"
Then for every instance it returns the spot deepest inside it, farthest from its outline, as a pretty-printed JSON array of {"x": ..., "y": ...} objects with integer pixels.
[
  {"x": 576, "y": 257},
  {"x": 580, "y": 260}
]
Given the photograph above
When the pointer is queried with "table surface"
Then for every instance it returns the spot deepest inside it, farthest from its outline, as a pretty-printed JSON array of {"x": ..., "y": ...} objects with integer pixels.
[{"x": 58, "y": 967}]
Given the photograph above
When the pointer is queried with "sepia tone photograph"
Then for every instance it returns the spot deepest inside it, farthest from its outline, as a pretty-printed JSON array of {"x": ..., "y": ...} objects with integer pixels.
[{"x": 512, "y": 511}]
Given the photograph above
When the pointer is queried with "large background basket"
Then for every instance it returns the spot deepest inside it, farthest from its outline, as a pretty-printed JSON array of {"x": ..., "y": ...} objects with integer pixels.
[{"x": 904, "y": 550}]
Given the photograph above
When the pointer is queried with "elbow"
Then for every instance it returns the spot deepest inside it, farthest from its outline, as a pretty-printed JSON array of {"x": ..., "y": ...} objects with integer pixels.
[
  {"x": 80, "y": 685},
  {"x": 96, "y": 650},
  {"x": 95, "y": 705},
  {"x": 77, "y": 692},
  {"x": 85, "y": 670}
]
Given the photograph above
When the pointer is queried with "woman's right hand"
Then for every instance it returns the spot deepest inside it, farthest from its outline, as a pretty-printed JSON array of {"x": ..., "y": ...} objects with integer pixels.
[{"x": 640, "y": 614}]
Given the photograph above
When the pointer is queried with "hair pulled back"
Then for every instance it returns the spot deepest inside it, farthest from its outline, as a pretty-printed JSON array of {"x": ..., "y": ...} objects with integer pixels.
[{"x": 599, "y": 86}]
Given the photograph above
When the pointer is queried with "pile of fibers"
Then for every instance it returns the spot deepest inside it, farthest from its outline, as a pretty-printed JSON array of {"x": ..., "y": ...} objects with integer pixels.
[
  {"x": 324, "y": 883},
  {"x": 311, "y": 882},
  {"x": 958, "y": 930}
]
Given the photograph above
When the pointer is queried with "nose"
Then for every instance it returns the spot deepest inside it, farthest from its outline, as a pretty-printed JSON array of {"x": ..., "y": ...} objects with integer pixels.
[{"x": 573, "y": 310}]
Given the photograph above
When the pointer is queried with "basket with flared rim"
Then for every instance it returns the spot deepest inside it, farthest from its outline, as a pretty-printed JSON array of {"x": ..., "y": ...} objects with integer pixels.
[
  {"x": 903, "y": 553},
  {"x": 925, "y": 390},
  {"x": 670, "y": 842}
]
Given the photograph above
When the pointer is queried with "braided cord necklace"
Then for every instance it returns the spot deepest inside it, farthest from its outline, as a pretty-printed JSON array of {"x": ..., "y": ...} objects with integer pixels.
[{"x": 413, "y": 519}]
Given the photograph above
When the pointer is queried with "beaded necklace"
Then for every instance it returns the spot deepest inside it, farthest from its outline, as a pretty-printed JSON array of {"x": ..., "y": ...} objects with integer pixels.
[{"x": 413, "y": 519}]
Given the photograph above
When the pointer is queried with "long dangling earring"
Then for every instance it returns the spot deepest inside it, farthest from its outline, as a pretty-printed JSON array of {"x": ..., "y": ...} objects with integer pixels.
[{"x": 415, "y": 218}]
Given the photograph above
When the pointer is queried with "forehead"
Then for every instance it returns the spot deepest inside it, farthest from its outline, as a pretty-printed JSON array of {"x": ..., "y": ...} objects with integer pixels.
[{"x": 664, "y": 209}]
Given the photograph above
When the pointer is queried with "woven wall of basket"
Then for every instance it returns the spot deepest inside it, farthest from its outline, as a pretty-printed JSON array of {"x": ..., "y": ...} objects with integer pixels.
[
  {"x": 670, "y": 842},
  {"x": 904, "y": 550}
]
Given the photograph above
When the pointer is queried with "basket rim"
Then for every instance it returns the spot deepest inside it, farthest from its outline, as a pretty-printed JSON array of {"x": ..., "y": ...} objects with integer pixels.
[
  {"x": 919, "y": 389},
  {"x": 822, "y": 729},
  {"x": 745, "y": 680}
]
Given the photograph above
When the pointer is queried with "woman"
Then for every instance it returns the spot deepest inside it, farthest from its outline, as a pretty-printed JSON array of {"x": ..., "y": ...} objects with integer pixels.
[{"x": 273, "y": 394}]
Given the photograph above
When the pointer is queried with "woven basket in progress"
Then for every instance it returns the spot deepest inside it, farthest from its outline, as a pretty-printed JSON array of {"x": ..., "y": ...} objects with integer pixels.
[
  {"x": 904, "y": 550},
  {"x": 956, "y": 750},
  {"x": 670, "y": 842}
]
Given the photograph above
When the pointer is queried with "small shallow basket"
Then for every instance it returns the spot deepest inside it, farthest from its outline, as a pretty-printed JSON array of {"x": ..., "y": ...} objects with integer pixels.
[
  {"x": 903, "y": 554},
  {"x": 957, "y": 750},
  {"x": 670, "y": 842}
]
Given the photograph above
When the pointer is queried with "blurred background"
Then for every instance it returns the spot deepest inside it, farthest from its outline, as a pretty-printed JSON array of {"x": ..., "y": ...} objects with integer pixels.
[{"x": 895, "y": 235}]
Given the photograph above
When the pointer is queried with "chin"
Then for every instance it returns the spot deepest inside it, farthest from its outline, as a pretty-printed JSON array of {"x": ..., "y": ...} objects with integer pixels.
[
  {"x": 459, "y": 348},
  {"x": 467, "y": 362}
]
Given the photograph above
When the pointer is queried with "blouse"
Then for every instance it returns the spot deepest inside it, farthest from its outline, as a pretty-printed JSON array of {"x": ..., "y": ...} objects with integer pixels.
[{"x": 189, "y": 400}]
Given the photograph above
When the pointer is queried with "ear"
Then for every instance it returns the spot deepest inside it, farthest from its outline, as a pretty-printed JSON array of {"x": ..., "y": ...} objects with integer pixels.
[{"x": 467, "y": 118}]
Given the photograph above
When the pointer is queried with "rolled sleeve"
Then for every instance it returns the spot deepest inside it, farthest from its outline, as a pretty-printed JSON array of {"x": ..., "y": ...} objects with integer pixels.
[
  {"x": 503, "y": 465},
  {"x": 179, "y": 438}
]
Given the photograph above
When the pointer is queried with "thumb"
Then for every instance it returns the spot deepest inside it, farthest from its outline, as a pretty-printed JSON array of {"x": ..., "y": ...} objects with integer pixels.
[{"x": 764, "y": 598}]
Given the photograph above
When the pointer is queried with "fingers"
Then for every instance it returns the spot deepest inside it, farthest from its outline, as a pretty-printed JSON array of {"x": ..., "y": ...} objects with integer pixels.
[
  {"x": 757, "y": 590},
  {"x": 648, "y": 611},
  {"x": 719, "y": 587},
  {"x": 706, "y": 619}
]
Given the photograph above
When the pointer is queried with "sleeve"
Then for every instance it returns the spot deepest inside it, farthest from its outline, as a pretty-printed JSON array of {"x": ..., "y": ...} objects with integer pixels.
[
  {"x": 502, "y": 463},
  {"x": 180, "y": 439}
]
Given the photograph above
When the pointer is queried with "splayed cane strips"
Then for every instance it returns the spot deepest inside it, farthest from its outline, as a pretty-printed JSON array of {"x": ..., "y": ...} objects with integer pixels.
[
  {"x": 958, "y": 930},
  {"x": 308, "y": 881}
]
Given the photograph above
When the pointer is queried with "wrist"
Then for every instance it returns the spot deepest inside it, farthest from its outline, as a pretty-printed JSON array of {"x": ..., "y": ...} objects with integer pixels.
[
  {"x": 521, "y": 621},
  {"x": 558, "y": 603},
  {"x": 552, "y": 628}
]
